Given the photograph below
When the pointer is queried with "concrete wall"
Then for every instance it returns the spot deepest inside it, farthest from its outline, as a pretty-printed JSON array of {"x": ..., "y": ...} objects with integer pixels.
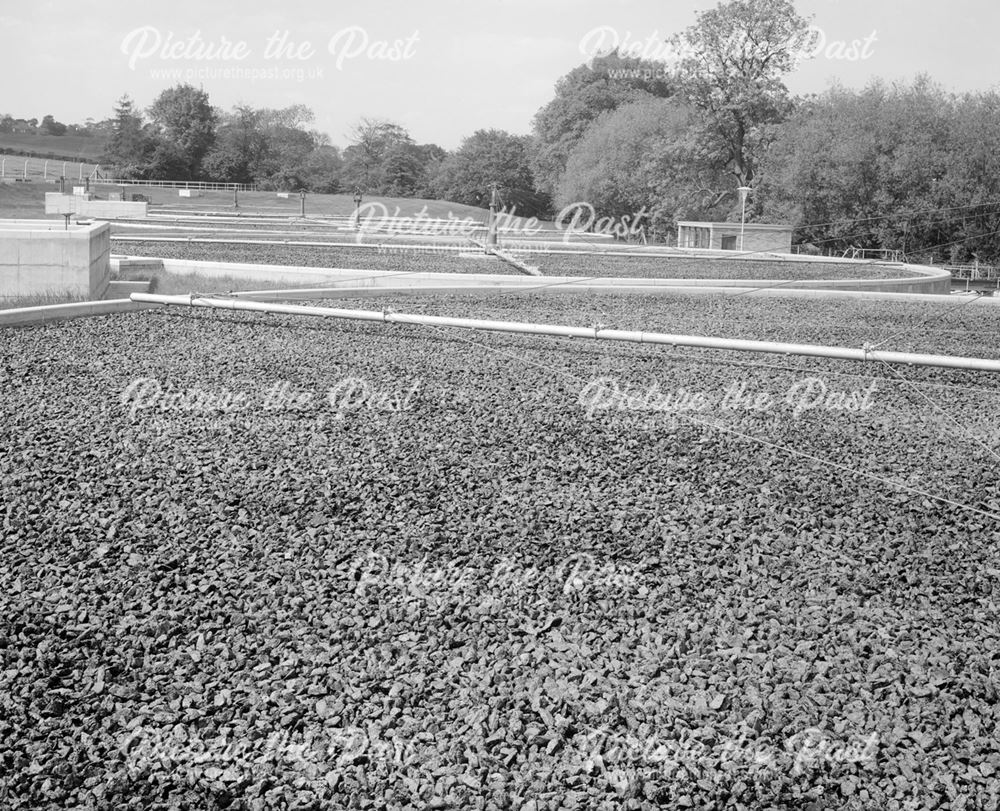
[
  {"x": 757, "y": 237},
  {"x": 56, "y": 203},
  {"x": 42, "y": 257},
  {"x": 23, "y": 316},
  {"x": 912, "y": 279},
  {"x": 771, "y": 240}
]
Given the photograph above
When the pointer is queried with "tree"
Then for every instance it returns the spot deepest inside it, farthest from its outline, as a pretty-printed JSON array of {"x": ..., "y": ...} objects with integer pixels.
[
  {"x": 364, "y": 158},
  {"x": 906, "y": 167},
  {"x": 402, "y": 170},
  {"x": 431, "y": 158},
  {"x": 295, "y": 116},
  {"x": 185, "y": 117},
  {"x": 322, "y": 170},
  {"x": 166, "y": 161},
  {"x": 283, "y": 166},
  {"x": 129, "y": 146},
  {"x": 240, "y": 150},
  {"x": 582, "y": 95},
  {"x": 50, "y": 126},
  {"x": 640, "y": 159},
  {"x": 489, "y": 156},
  {"x": 735, "y": 57},
  {"x": 271, "y": 148}
]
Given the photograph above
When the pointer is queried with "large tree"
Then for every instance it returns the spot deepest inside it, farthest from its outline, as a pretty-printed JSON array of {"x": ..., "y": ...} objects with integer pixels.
[
  {"x": 372, "y": 140},
  {"x": 240, "y": 148},
  {"x": 487, "y": 157},
  {"x": 184, "y": 116},
  {"x": 606, "y": 83},
  {"x": 735, "y": 58},
  {"x": 50, "y": 126},
  {"x": 904, "y": 166},
  {"x": 273, "y": 149},
  {"x": 130, "y": 145},
  {"x": 640, "y": 158}
]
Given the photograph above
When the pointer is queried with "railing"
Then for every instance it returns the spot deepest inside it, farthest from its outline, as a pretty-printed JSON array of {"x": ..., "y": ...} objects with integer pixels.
[
  {"x": 882, "y": 254},
  {"x": 177, "y": 184},
  {"x": 48, "y": 170},
  {"x": 974, "y": 272}
]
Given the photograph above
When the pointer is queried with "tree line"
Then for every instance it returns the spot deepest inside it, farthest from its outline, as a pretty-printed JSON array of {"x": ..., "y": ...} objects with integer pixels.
[
  {"x": 900, "y": 166},
  {"x": 907, "y": 167}
]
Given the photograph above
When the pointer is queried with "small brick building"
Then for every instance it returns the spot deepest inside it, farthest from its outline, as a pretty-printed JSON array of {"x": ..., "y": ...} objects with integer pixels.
[{"x": 725, "y": 236}]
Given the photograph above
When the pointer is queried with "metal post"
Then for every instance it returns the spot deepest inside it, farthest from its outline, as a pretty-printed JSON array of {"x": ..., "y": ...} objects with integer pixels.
[
  {"x": 45, "y": 171},
  {"x": 24, "y": 172},
  {"x": 744, "y": 191},
  {"x": 491, "y": 234},
  {"x": 81, "y": 172}
]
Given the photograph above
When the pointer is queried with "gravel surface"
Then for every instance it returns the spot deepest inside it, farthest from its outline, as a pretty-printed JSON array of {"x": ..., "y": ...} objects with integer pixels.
[
  {"x": 400, "y": 257},
  {"x": 255, "y": 562},
  {"x": 696, "y": 268}
]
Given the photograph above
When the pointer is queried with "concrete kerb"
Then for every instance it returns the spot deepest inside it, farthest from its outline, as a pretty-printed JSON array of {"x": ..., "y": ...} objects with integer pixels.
[
  {"x": 25, "y": 316},
  {"x": 924, "y": 281},
  {"x": 402, "y": 289},
  {"x": 357, "y": 283}
]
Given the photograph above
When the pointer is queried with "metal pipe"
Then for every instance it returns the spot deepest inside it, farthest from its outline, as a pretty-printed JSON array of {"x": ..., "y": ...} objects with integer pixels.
[{"x": 597, "y": 332}]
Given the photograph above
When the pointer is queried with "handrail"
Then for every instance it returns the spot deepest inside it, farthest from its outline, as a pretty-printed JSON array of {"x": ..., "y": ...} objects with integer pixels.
[{"x": 201, "y": 185}]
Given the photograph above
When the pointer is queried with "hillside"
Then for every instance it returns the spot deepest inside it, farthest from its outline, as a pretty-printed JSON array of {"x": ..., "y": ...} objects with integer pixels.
[
  {"x": 28, "y": 200},
  {"x": 71, "y": 147}
]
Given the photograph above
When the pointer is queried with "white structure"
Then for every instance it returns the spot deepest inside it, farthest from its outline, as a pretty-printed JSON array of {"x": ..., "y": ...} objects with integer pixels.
[
  {"x": 725, "y": 236},
  {"x": 56, "y": 203},
  {"x": 42, "y": 257}
]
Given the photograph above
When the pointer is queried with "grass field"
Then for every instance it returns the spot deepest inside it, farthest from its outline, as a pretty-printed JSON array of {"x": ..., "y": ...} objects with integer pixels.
[
  {"x": 23, "y": 201},
  {"x": 72, "y": 147},
  {"x": 28, "y": 200}
]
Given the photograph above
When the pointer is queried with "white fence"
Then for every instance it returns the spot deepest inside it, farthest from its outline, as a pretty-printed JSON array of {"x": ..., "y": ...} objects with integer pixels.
[
  {"x": 17, "y": 167},
  {"x": 974, "y": 272},
  {"x": 176, "y": 184}
]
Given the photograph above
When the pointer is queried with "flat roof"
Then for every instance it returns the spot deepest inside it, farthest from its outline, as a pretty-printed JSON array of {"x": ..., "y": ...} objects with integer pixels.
[
  {"x": 45, "y": 225},
  {"x": 51, "y": 229},
  {"x": 760, "y": 226}
]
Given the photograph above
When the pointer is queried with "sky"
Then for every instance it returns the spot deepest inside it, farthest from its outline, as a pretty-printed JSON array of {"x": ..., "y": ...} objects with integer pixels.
[{"x": 442, "y": 69}]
